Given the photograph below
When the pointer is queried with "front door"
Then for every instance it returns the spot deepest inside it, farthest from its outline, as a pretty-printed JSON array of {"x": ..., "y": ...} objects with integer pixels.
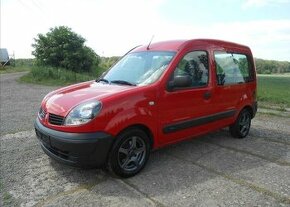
[{"x": 185, "y": 111}]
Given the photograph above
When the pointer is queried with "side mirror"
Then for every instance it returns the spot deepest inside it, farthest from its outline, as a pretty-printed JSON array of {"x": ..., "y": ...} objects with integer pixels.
[{"x": 181, "y": 81}]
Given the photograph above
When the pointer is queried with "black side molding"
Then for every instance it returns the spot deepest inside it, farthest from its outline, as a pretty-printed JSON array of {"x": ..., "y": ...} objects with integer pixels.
[{"x": 197, "y": 122}]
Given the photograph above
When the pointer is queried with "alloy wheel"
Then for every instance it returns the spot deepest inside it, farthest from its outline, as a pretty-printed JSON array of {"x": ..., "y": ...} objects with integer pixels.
[{"x": 132, "y": 153}]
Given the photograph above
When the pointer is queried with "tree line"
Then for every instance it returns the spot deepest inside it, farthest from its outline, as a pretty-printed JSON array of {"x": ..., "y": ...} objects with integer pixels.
[
  {"x": 262, "y": 66},
  {"x": 271, "y": 66}
]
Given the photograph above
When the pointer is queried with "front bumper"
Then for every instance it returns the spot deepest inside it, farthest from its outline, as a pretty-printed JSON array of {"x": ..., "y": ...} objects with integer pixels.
[{"x": 75, "y": 149}]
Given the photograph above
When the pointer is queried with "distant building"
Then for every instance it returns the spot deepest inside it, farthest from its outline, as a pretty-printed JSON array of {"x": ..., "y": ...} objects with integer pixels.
[{"x": 4, "y": 57}]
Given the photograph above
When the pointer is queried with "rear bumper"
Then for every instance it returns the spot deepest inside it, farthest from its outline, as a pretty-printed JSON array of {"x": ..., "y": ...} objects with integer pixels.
[{"x": 75, "y": 149}]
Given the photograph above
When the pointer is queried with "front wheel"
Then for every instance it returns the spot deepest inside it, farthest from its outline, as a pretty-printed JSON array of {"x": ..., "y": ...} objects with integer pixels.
[
  {"x": 129, "y": 153},
  {"x": 241, "y": 127}
]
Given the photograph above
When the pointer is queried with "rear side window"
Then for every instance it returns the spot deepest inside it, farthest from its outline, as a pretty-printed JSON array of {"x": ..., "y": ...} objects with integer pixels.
[{"x": 232, "y": 68}]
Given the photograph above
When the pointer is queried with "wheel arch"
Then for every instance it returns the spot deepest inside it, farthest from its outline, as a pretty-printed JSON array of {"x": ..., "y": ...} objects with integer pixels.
[
  {"x": 143, "y": 128},
  {"x": 250, "y": 109}
]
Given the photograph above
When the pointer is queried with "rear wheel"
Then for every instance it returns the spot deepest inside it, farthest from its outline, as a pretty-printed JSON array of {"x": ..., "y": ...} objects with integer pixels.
[
  {"x": 241, "y": 127},
  {"x": 130, "y": 153}
]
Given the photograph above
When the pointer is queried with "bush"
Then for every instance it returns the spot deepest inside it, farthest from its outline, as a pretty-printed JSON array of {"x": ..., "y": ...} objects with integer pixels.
[
  {"x": 61, "y": 47},
  {"x": 24, "y": 62}
]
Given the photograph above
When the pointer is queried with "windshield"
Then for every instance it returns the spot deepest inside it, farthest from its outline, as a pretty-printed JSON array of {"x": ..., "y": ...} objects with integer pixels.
[{"x": 139, "y": 68}]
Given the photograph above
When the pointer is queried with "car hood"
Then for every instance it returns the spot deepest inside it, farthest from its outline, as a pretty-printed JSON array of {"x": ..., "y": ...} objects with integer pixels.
[{"x": 61, "y": 101}]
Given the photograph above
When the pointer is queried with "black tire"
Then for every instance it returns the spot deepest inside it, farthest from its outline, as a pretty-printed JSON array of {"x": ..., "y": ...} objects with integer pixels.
[
  {"x": 129, "y": 153},
  {"x": 240, "y": 129}
]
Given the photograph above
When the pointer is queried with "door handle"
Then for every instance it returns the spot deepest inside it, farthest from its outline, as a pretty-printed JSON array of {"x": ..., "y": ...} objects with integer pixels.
[{"x": 207, "y": 95}]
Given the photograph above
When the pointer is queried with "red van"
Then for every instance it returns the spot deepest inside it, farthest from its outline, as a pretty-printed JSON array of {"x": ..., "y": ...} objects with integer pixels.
[{"x": 155, "y": 95}]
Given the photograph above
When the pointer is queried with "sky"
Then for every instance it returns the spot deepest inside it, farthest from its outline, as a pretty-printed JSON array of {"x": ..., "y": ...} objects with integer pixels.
[{"x": 112, "y": 27}]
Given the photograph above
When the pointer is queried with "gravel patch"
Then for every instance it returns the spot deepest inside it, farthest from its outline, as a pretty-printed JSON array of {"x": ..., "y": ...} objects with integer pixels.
[
  {"x": 212, "y": 170},
  {"x": 19, "y": 103}
]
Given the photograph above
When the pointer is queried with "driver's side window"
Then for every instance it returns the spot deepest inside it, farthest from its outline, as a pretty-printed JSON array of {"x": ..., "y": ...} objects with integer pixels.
[{"x": 195, "y": 65}]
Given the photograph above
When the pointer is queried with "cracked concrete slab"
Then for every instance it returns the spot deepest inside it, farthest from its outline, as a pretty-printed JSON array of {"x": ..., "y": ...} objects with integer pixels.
[
  {"x": 170, "y": 179},
  {"x": 180, "y": 183}
]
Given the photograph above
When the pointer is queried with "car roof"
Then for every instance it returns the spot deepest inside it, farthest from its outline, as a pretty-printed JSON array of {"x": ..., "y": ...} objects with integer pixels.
[{"x": 176, "y": 45}]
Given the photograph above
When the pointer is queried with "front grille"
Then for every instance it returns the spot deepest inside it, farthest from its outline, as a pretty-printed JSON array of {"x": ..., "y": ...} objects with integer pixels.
[
  {"x": 42, "y": 113},
  {"x": 55, "y": 119}
]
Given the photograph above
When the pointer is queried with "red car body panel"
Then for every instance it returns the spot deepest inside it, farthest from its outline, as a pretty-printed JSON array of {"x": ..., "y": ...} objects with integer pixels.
[{"x": 153, "y": 106}]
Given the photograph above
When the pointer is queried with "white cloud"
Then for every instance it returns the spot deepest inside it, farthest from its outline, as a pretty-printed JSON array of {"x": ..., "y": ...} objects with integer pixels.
[
  {"x": 113, "y": 27},
  {"x": 260, "y": 3},
  {"x": 110, "y": 27},
  {"x": 269, "y": 39}
]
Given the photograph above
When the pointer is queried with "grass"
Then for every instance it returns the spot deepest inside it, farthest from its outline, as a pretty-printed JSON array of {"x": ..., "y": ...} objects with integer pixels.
[
  {"x": 11, "y": 69},
  {"x": 274, "y": 89},
  {"x": 5, "y": 196},
  {"x": 55, "y": 76}
]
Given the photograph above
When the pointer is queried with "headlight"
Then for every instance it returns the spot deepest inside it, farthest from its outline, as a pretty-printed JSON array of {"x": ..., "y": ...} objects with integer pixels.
[{"x": 83, "y": 113}]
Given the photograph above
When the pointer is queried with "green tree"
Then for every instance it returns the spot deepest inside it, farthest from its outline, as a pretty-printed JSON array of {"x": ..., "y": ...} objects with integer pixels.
[{"x": 61, "y": 47}]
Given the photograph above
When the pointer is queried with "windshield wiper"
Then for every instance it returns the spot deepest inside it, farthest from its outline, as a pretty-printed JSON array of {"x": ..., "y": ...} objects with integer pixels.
[
  {"x": 103, "y": 80},
  {"x": 122, "y": 82}
]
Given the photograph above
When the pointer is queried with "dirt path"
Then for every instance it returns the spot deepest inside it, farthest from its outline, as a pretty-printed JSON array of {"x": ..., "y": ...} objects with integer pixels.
[{"x": 19, "y": 103}]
